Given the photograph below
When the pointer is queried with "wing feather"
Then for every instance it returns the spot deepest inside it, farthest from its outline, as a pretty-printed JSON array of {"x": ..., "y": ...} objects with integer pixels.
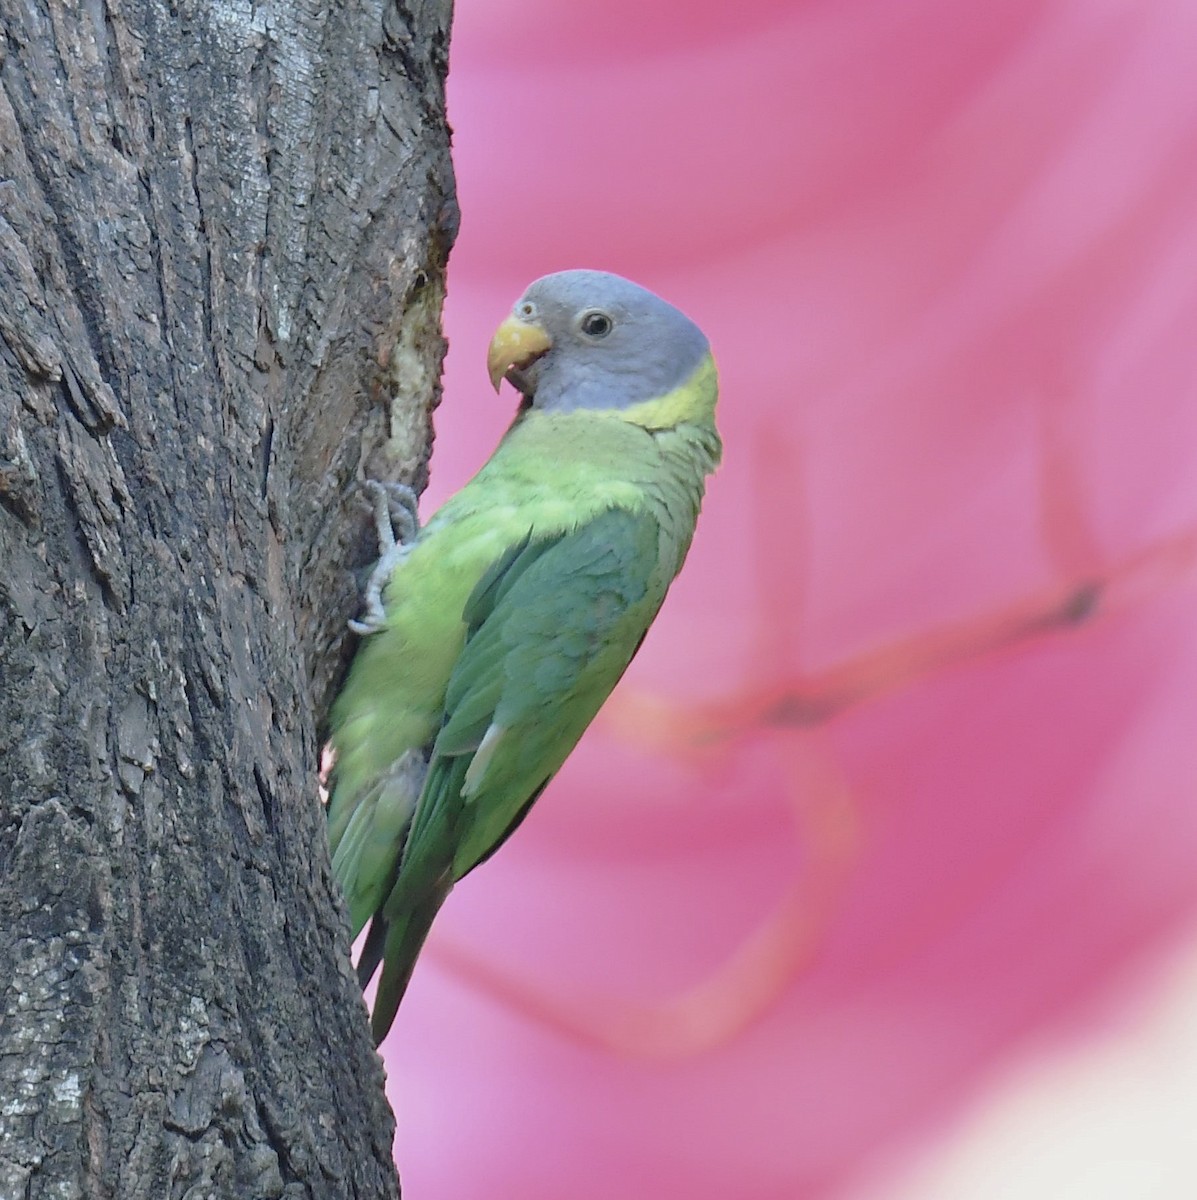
[{"x": 551, "y": 628}]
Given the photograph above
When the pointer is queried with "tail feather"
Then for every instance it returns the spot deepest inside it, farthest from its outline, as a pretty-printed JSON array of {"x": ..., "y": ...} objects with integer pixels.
[
  {"x": 372, "y": 951},
  {"x": 400, "y": 946}
]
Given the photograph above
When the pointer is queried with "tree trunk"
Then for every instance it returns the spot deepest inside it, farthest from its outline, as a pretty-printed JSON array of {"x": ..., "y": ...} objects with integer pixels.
[{"x": 223, "y": 227}]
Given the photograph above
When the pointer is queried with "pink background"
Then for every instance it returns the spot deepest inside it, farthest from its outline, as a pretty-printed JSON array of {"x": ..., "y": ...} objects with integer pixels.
[{"x": 902, "y": 782}]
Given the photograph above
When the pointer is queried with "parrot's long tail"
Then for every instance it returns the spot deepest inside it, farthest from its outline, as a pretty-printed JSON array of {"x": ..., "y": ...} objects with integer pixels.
[
  {"x": 372, "y": 951},
  {"x": 396, "y": 944}
]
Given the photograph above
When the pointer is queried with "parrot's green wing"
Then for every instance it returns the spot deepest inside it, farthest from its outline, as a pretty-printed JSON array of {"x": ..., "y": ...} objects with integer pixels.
[{"x": 551, "y": 627}]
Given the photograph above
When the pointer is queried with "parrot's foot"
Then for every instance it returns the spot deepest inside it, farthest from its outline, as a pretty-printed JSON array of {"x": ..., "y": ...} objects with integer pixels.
[
  {"x": 397, "y": 524},
  {"x": 396, "y": 512}
]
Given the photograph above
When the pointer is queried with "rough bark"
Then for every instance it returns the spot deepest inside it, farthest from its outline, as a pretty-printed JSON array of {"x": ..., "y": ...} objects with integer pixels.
[{"x": 223, "y": 227}]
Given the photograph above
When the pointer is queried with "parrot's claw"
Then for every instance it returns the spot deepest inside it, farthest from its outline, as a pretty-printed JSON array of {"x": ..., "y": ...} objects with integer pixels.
[
  {"x": 395, "y": 507},
  {"x": 402, "y": 512},
  {"x": 397, "y": 525}
]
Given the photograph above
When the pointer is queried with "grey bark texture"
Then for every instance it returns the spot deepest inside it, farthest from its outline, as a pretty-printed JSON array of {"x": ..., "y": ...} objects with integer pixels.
[{"x": 223, "y": 228}]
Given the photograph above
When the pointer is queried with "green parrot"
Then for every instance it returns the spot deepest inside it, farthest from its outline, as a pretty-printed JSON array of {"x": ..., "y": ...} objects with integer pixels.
[{"x": 493, "y": 636}]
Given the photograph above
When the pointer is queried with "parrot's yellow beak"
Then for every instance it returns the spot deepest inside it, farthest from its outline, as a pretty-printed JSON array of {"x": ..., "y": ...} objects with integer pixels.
[{"x": 516, "y": 344}]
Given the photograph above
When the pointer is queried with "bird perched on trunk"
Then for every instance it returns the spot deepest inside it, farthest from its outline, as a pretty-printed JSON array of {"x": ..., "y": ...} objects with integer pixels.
[{"x": 495, "y": 633}]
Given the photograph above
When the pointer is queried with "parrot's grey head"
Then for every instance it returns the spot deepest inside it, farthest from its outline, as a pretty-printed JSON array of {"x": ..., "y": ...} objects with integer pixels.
[{"x": 588, "y": 339}]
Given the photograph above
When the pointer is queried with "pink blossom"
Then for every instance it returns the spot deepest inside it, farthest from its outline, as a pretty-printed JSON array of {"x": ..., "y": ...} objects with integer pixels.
[{"x": 902, "y": 781}]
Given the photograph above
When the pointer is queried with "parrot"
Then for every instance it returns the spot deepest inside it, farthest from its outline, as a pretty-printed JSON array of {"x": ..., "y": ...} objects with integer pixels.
[{"x": 493, "y": 634}]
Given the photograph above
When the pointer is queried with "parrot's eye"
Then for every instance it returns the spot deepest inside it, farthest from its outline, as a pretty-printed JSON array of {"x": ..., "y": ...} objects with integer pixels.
[
  {"x": 526, "y": 309},
  {"x": 595, "y": 324}
]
